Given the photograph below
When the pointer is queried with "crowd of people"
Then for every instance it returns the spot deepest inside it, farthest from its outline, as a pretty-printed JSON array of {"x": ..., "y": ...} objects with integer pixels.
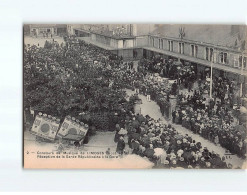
[
  {"x": 214, "y": 122},
  {"x": 163, "y": 145},
  {"x": 87, "y": 78},
  {"x": 212, "y": 118}
]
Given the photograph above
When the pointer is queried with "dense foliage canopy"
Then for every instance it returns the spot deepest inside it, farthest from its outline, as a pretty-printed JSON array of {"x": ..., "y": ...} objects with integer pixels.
[{"x": 63, "y": 80}]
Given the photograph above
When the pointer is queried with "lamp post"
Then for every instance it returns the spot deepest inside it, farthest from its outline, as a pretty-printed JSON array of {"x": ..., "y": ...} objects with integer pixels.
[
  {"x": 211, "y": 77},
  {"x": 242, "y": 69}
]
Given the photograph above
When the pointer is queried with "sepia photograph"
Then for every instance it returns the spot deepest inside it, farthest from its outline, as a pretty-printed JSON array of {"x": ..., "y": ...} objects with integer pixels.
[{"x": 134, "y": 96}]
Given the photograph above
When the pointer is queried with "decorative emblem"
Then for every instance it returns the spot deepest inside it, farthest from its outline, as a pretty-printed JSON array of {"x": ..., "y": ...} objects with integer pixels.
[{"x": 181, "y": 33}]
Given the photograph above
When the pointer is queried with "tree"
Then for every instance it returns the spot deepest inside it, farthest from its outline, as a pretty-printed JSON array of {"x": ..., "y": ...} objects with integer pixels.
[{"x": 68, "y": 89}]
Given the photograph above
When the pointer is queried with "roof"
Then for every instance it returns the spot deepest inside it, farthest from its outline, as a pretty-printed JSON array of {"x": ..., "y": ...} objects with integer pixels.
[
  {"x": 48, "y": 25},
  {"x": 107, "y": 34},
  {"x": 98, "y": 44},
  {"x": 231, "y": 36}
]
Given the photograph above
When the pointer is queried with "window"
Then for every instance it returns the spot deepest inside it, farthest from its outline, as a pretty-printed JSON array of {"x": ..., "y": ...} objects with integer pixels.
[
  {"x": 223, "y": 58},
  {"x": 236, "y": 62},
  {"x": 170, "y": 45},
  {"x": 152, "y": 41},
  {"x": 194, "y": 50},
  {"x": 206, "y": 56},
  {"x": 242, "y": 61},
  {"x": 181, "y": 48},
  {"x": 209, "y": 55},
  {"x": 161, "y": 41}
]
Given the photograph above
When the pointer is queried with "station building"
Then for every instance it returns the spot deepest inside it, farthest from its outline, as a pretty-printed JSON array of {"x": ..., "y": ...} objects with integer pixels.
[
  {"x": 222, "y": 47},
  {"x": 54, "y": 29}
]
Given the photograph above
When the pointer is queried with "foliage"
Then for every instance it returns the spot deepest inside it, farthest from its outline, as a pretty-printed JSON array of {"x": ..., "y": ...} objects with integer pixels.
[{"x": 67, "y": 89}]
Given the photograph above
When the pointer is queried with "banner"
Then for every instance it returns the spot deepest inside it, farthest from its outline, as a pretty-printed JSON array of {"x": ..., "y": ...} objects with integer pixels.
[
  {"x": 72, "y": 126},
  {"x": 45, "y": 126}
]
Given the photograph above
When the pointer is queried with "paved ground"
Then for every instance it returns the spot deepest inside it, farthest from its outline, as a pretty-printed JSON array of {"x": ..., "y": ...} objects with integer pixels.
[
  {"x": 97, "y": 145},
  {"x": 152, "y": 109}
]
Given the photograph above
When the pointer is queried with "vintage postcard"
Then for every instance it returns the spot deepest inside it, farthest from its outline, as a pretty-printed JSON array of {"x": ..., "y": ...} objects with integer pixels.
[{"x": 134, "y": 96}]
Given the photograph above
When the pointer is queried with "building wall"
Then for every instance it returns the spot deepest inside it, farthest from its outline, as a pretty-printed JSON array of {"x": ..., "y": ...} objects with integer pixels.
[
  {"x": 114, "y": 43},
  {"x": 39, "y": 31},
  {"x": 141, "y": 41},
  {"x": 127, "y": 54},
  {"x": 232, "y": 56},
  {"x": 128, "y": 43},
  {"x": 139, "y": 53},
  {"x": 175, "y": 46},
  {"x": 93, "y": 37},
  {"x": 120, "y": 44}
]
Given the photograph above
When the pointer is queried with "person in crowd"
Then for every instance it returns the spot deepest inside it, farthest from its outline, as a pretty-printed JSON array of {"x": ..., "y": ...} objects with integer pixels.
[
  {"x": 148, "y": 93},
  {"x": 120, "y": 145}
]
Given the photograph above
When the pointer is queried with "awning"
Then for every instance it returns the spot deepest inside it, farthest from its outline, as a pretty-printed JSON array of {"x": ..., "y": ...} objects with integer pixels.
[{"x": 198, "y": 61}]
